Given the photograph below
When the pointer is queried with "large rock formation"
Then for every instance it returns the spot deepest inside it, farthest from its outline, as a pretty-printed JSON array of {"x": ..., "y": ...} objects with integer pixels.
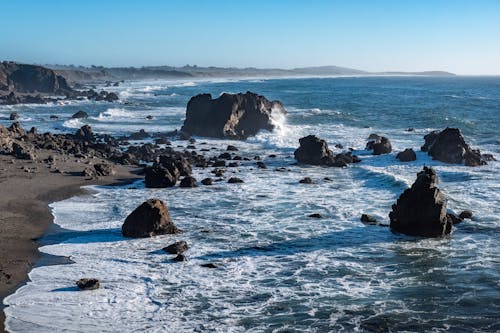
[
  {"x": 235, "y": 116},
  {"x": 313, "y": 150},
  {"x": 421, "y": 209},
  {"x": 24, "y": 78},
  {"x": 149, "y": 219},
  {"x": 449, "y": 146}
]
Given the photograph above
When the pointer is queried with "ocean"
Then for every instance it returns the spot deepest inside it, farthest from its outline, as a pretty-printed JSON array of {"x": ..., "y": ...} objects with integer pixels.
[{"x": 279, "y": 270}]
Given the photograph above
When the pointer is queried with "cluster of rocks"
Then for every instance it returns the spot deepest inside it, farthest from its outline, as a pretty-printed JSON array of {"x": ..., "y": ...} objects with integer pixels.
[
  {"x": 378, "y": 144},
  {"x": 315, "y": 151},
  {"x": 235, "y": 116}
]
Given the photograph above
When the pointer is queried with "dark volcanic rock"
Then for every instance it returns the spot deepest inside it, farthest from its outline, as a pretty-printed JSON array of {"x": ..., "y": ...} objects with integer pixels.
[
  {"x": 315, "y": 215},
  {"x": 368, "y": 219},
  {"x": 453, "y": 219},
  {"x": 236, "y": 116},
  {"x": 179, "y": 258},
  {"x": 421, "y": 209},
  {"x": 466, "y": 214},
  {"x": 158, "y": 176},
  {"x": 80, "y": 115},
  {"x": 177, "y": 247},
  {"x": 207, "y": 181},
  {"x": 449, "y": 146},
  {"x": 149, "y": 219},
  {"x": 235, "y": 180},
  {"x": 88, "y": 284},
  {"x": 231, "y": 148},
  {"x": 188, "y": 181},
  {"x": 407, "y": 155},
  {"x": 379, "y": 144},
  {"x": 429, "y": 140},
  {"x": 104, "y": 169},
  {"x": 313, "y": 150},
  {"x": 14, "y": 116},
  {"x": 306, "y": 180},
  {"x": 85, "y": 133}
]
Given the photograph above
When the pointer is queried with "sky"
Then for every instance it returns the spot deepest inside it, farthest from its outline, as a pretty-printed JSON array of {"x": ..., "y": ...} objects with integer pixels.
[{"x": 459, "y": 36}]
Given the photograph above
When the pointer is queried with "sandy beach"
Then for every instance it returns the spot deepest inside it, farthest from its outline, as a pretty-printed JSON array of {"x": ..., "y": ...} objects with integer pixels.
[{"x": 26, "y": 189}]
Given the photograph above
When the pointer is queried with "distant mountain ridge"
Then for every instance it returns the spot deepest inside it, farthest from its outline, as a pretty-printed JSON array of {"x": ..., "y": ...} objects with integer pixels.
[{"x": 76, "y": 74}]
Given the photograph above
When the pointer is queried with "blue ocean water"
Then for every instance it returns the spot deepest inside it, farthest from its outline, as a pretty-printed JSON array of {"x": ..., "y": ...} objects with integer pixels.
[{"x": 279, "y": 270}]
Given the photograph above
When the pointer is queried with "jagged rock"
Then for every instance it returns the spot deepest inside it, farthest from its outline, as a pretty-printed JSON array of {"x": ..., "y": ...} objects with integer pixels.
[
  {"x": 379, "y": 144},
  {"x": 429, "y": 140},
  {"x": 176, "y": 160},
  {"x": 235, "y": 180},
  {"x": 421, "y": 209},
  {"x": 53, "y": 117},
  {"x": 209, "y": 265},
  {"x": 236, "y": 116},
  {"x": 104, "y": 169},
  {"x": 149, "y": 219},
  {"x": 14, "y": 116},
  {"x": 85, "y": 133},
  {"x": 219, "y": 163},
  {"x": 407, "y": 155},
  {"x": 188, "y": 181},
  {"x": 177, "y": 247},
  {"x": 80, "y": 115},
  {"x": 449, "y": 146},
  {"x": 466, "y": 214},
  {"x": 313, "y": 150},
  {"x": 88, "y": 284},
  {"x": 141, "y": 135},
  {"x": 207, "y": 181}
]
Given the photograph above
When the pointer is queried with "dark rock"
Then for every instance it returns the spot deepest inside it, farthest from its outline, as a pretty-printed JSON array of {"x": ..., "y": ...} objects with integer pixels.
[
  {"x": 207, "y": 181},
  {"x": 209, "y": 265},
  {"x": 232, "y": 165},
  {"x": 261, "y": 165},
  {"x": 176, "y": 160},
  {"x": 449, "y": 146},
  {"x": 315, "y": 215},
  {"x": 111, "y": 97},
  {"x": 368, "y": 219},
  {"x": 188, "y": 181},
  {"x": 225, "y": 156},
  {"x": 466, "y": 214},
  {"x": 235, "y": 180},
  {"x": 421, "y": 209},
  {"x": 410, "y": 129},
  {"x": 179, "y": 258},
  {"x": 80, "y": 115},
  {"x": 53, "y": 117},
  {"x": 488, "y": 157},
  {"x": 272, "y": 156},
  {"x": 141, "y": 135},
  {"x": 219, "y": 163},
  {"x": 88, "y": 284},
  {"x": 150, "y": 117},
  {"x": 16, "y": 129},
  {"x": 453, "y": 219},
  {"x": 379, "y": 144},
  {"x": 231, "y": 148},
  {"x": 22, "y": 151},
  {"x": 429, "y": 140},
  {"x": 158, "y": 176},
  {"x": 407, "y": 155},
  {"x": 306, "y": 180},
  {"x": 85, "y": 133},
  {"x": 14, "y": 116},
  {"x": 176, "y": 248},
  {"x": 104, "y": 169},
  {"x": 236, "y": 116},
  {"x": 313, "y": 150},
  {"x": 149, "y": 219}
]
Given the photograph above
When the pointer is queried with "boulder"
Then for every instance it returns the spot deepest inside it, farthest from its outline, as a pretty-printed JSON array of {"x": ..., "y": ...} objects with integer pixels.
[
  {"x": 313, "y": 150},
  {"x": 232, "y": 148},
  {"x": 306, "y": 180},
  {"x": 16, "y": 129},
  {"x": 88, "y": 284},
  {"x": 104, "y": 169},
  {"x": 379, "y": 144},
  {"x": 368, "y": 219},
  {"x": 157, "y": 176},
  {"x": 80, "y": 115},
  {"x": 179, "y": 258},
  {"x": 453, "y": 219},
  {"x": 466, "y": 214},
  {"x": 421, "y": 209},
  {"x": 176, "y": 248},
  {"x": 207, "y": 181},
  {"x": 449, "y": 146},
  {"x": 149, "y": 219},
  {"x": 407, "y": 155},
  {"x": 235, "y": 116},
  {"x": 85, "y": 133},
  {"x": 188, "y": 181},
  {"x": 235, "y": 180},
  {"x": 14, "y": 116}
]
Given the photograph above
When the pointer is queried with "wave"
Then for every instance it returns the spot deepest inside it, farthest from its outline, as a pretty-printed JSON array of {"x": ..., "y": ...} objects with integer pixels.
[
  {"x": 73, "y": 123},
  {"x": 114, "y": 114}
]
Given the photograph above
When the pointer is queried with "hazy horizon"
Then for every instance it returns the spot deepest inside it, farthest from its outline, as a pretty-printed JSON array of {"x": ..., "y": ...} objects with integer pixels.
[{"x": 460, "y": 37}]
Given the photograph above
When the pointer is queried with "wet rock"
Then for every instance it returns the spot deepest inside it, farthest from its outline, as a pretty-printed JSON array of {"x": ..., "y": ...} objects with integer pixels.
[
  {"x": 150, "y": 117},
  {"x": 224, "y": 156},
  {"x": 368, "y": 219},
  {"x": 306, "y": 180},
  {"x": 158, "y": 176},
  {"x": 313, "y": 150},
  {"x": 207, "y": 181},
  {"x": 179, "y": 258},
  {"x": 231, "y": 148},
  {"x": 407, "y": 155},
  {"x": 14, "y": 116},
  {"x": 219, "y": 163},
  {"x": 466, "y": 214},
  {"x": 236, "y": 116},
  {"x": 188, "y": 181},
  {"x": 379, "y": 144},
  {"x": 177, "y": 247},
  {"x": 453, "y": 219},
  {"x": 261, "y": 165},
  {"x": 85, "y": 133},
  {"x": 315, "y": 215},
  {"x": 449, "y": 146},
  {"x": 80, "y": 115},
  {"x": 429, "y": 140},
  {"x": 149, "y": 219},
  {"x": 232, "y": 165},
  {"x": 421, "y": 209},
  {"x": 209, "y": 265},
  {"x": 88, "y": 284},
  {"x": 235, "y": 180},
  {"x": 53, "y": 117}
]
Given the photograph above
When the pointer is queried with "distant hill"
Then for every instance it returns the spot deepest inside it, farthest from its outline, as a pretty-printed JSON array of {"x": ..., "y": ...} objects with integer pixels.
[{"x": 76, "y": 74}]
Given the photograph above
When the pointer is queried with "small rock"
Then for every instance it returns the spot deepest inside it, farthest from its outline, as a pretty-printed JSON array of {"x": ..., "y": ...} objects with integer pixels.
[
  {"x": 453, "y": 219},
  {"x": 14, "y": 116},
  {"x": 207, "y": 181},
  {"x": 231, "y": 148},
  {"x": 407, "y": 155},
  {"x": 315, "y": 215},
  {"x": 177, "y": 247},
  {"x": 235, "y": 180},
  {"x": 80, "y": 115},
  {"x": 306, "y": 180},
  {"x": 209, "y": 265},
  {"x": 88, "y": 284},
  {"x": 466, "y": 214},
  {"x": 188, "y": 181},
  {"x": 180, "y": 257},
  {"x": 368, "y": 219}
]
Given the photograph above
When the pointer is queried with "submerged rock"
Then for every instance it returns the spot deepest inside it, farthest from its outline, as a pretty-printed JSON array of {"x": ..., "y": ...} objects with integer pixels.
[
  {"x": 236, "y": 116},
  {"x": 149, "y": 219},
  {"x": 235, "y": 180},
  {"x": 80, "y": 115},
  {"x": 207, "y": 181},
  {"x": 449, "y": 146},
  {"x": 88, "y": 284},
  {"x": 421, "y": 209},
  {"x": 176, "y": 248},
  {"x": 466, "y": 214},
  {"x": 188, "y": 181}
]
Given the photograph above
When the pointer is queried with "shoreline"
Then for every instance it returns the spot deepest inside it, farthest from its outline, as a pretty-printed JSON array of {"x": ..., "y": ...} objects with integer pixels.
[{"x": 26, "y": 216}]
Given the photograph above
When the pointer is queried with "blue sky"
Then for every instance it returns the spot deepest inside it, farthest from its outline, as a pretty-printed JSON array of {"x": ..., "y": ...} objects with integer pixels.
[{"x": 453, "y": 35}]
